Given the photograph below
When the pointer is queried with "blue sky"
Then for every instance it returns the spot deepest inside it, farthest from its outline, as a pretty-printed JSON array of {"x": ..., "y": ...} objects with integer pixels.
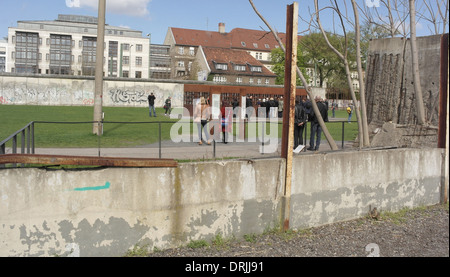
[{"x": 156, "y": 16}]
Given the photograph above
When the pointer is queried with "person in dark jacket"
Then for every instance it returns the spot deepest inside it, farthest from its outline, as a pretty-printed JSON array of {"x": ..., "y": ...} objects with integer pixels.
[
  {"x": 235, "y": 105},
  {"x": 299, "y": 124},
  {"x": 316, "y": 130},
  {"x": 151, "y": 104}
]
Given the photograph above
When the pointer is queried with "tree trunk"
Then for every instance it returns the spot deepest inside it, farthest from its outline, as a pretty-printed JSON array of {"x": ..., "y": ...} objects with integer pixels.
[
  {"x": 365, "y": 128},
  {"x": 347, "y": 71},
  {"x": 415, "y": 64}
]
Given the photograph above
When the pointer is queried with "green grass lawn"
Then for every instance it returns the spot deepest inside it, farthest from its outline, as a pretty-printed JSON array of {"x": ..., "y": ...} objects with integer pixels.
[{"x": 13, "y": 118}]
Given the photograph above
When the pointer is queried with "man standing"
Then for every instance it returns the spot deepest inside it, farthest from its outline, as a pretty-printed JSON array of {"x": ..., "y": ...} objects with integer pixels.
[
  {"x": 316, "y": 130},
  {"x": 280, "y": 107},
  {"x": 168, "y": 105},
  {"x": 151, "y": 104},
  {"x": 299, "y": 124}
]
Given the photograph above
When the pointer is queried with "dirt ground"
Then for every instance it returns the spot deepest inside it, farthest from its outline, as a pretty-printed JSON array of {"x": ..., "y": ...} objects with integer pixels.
[{"x": 420, "y": 232}]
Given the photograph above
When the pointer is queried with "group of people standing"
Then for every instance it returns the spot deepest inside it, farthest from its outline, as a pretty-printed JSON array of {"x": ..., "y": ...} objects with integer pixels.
[
  {"x": 303, "y": 113},
  {"x": 151, "y": 104},
  {"x": 265, "y": 107}
]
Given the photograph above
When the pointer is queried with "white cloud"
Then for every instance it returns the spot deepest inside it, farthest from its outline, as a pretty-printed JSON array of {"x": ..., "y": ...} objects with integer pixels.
[
  {"x": 125, "y": 7},
  {"x": 73, "y": 3}
]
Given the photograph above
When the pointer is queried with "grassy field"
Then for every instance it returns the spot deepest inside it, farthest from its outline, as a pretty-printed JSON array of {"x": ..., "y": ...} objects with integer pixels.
[{"x": 13, "y": 118}]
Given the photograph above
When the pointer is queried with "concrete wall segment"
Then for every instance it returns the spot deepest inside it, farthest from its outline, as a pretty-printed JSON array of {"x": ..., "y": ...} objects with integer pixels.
[{"x": 105, "y": 212}]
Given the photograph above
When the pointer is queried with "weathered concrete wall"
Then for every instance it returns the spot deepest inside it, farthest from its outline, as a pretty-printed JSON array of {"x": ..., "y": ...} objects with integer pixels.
[
  {"x": 390, "y": 90},
  {"x": 77, "y": 91},
  {"x": 105, "y": 212},
  {"x": 390, "y": 83},
  {"x": 343, "y": 185}
]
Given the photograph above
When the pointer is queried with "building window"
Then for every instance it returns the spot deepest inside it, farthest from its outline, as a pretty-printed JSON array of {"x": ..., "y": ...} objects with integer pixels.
[
  {"x": 256, "y": 69},
  {"x": 125, "y": 73},
  {"x": 221, "y": 66},
  {"x": 88, "y": 56},
  {"x": 191, "y": 51},
  {"x": 239, "y": 67},
  {"x": 27, "y": 52},
  {"x": 181, "y": 64},
  {"x": 243, "y": 43},
  {"x": 138, "y": 61},
  {"x": 267, "y": 81},
  {"x": 113, "y": 49},
  {"x": 219, "y": 79},
  {"x": 267, "y": 46},
  {"x": 239, "y": 80},
  {"x": 60, "y": 54},
  {"x": 181, "y": 50},
  {"x": 139, "y": 47},
  {"x": 138, "y": 74},
  {"x": 255, "y": 45},
  {"x": 126, "y": 46},
  {"x": 258, "y": 56},
  {"x": 259, "y": 81},
  {"x": 126, "y": 60}
]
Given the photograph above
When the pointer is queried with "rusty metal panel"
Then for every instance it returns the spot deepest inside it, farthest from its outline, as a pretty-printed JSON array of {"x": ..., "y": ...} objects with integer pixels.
[{"x": 84, "y": 160}]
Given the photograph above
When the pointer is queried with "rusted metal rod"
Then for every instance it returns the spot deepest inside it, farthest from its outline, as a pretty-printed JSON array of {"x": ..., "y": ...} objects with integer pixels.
[{"x": 85, "y": 160}]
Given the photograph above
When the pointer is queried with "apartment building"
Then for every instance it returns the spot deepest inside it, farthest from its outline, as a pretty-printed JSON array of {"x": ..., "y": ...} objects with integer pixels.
[
  {"x": 3, "y": 55},
  {"x": 224, "y": 65},
  {"x": 184, "y": 45},
  {"x": 68, "y": 45}
]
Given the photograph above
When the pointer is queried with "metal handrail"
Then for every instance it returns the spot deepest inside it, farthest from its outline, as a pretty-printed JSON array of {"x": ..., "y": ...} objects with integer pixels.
[{"x": 27, "y": 133}]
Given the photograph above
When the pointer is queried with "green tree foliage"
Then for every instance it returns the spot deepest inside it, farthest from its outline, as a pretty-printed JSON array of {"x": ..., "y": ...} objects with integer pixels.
[
  {"x": 318, "y": 56},
  {"x": 278, "y": 60}
]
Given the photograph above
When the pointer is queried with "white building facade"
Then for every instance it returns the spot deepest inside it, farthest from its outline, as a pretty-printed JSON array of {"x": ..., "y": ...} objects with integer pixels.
[
  {"x": 3, "y": 55},
  {"x": 67, "y": 46}
]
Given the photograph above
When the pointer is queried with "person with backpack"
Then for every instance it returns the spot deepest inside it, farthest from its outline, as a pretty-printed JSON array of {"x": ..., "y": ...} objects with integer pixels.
[{"x": 349, "y": 112}]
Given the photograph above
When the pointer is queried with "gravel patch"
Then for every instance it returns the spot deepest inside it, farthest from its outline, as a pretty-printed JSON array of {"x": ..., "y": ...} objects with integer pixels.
[{"x": 420, "y": 232}]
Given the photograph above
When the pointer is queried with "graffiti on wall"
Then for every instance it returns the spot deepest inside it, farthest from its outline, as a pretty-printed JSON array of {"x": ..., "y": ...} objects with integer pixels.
[
  {"x": 128, "y": 97},
  {"x": 3, "y": 100},
  {"x": 17, "y": 90}
]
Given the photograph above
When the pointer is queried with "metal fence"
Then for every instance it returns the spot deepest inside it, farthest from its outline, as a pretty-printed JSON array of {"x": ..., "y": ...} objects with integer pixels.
[{"x": 24, "y": 139}]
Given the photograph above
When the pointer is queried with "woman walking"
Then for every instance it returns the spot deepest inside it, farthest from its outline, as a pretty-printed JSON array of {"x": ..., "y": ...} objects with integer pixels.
[{"x": 202, "y": 114}]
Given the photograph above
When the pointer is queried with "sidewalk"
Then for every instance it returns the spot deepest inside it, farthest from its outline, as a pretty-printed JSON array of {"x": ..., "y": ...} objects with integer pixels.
[{"x": 186, "y": 150}]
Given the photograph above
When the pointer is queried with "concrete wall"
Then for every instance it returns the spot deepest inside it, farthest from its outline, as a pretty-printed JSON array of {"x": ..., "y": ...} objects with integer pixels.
[
  {"x": 79, "y": 91},
  {"x": 107, "y": 211},
  {"x": 390, "y": 91}
]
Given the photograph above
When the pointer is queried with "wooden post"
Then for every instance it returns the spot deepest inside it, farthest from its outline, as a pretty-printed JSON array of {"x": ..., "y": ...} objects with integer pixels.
[{"x": 290, "y": 84}]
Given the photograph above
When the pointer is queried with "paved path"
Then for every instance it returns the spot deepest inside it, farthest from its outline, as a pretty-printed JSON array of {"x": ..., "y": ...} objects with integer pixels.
[
  {"x": 184, "y": 150},
  {"x": 189, "y": 149}
]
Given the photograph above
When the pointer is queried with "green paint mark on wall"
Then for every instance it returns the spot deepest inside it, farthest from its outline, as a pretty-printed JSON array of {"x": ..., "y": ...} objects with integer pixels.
[{"x": 106, "y": 186}]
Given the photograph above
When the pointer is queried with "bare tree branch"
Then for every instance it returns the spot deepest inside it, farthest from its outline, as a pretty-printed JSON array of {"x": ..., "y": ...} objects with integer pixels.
[
  {"x": 347, "y": 70},
  {"x": 329, "y": 138}
]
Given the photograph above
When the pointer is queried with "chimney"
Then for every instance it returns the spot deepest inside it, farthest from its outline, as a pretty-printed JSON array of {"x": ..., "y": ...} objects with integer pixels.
[{"x": 222, "y": 28}]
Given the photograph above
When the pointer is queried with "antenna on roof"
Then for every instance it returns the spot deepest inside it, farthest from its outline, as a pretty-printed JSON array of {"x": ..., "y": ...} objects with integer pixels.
[{"x": 207, "y": 24}]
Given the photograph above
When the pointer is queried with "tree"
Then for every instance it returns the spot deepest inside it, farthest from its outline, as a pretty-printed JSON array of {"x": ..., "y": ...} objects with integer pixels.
[
  {"x": 278, "y": 61},
  {"x": 344, "y": 57},
  {"x": 318, "y": 56},
  {"x": 326, "y": 133}
]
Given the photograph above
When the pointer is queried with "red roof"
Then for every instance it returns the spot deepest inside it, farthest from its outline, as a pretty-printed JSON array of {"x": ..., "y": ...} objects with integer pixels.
[
  {"x": 233, "y": 57},
  {"x": 238, "y": 38}
]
